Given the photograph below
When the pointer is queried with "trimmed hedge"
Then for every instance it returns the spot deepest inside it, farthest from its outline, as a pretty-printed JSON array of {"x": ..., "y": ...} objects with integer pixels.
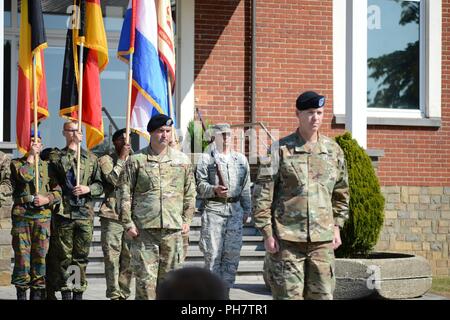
[{"x": 366, "y": 211}]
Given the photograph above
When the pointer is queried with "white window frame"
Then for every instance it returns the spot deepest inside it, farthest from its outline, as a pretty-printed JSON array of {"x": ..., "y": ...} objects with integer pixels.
[
  {"x": 185, "y": 64},
  {"x": 350, "y": 69}
]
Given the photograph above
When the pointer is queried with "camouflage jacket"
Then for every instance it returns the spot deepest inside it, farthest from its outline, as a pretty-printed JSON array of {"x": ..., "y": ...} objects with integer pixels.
[
  {"x": 112, "y": 171},
  {"x": 236, "y": 172},
  {"x": 65, "y": 160},
  {"x": 24, "y": 189},
  {"x": 160, "y": 191},
  {"x": 302, "y": 192},
  {"x": 5, "y": 180}
]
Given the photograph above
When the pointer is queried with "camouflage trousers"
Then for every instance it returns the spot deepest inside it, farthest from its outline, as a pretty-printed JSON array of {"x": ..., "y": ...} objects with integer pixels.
[
  {"x": 51, "y": 261},
  {"x": 154, "y": 253},
  {"x": 301, "y": 270},
  {"x": 73, "y": 239},
  {"x": 221, "y": 242},
  {"x": 30, "y": 240},
  {"x": 185, "y": 246},
  {"x": 117, "y": 258}
]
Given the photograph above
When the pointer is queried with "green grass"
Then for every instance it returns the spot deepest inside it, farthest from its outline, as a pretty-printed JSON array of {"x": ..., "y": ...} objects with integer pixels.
[{"x": 441, "y": 285}]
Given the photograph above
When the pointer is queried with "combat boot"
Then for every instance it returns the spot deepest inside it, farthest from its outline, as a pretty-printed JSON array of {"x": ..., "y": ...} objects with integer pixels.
[
  {"x": 66, "y": 295},
  {"x": 50, "y": 294},
  {"x": 21, "y": 294},
  {"x": 37, "y": 294},
  {"x": 78, "y": 296}
]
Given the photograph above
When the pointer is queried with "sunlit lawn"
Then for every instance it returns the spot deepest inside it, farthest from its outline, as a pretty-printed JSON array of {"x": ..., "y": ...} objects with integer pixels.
[{"x": 441, "y": 285}]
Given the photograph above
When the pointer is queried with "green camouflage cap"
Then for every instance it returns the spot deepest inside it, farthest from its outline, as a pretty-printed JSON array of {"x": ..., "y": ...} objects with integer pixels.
[{"x": 220, "y": 128}]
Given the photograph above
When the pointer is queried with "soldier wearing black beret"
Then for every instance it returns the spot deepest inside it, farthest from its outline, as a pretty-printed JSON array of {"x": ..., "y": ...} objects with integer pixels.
[
  {"x": 301, "y": 202},
  {"x": 157, "y": 205}
]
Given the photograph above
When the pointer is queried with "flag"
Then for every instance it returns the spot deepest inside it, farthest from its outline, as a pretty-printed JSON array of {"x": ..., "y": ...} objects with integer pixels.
[
  {"x": 150, "y": 74},
  {"x": 90, "y": 31},
  {"x": 166, "y": 45},
  {"x": 31, "y": 44}
]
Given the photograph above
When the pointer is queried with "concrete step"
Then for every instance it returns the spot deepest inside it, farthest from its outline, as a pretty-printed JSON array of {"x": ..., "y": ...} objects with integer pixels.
[
  {"x": 192, "y": 253},
  {"x": 195, "y": 237},
  {"x": 96, "y": 269}
]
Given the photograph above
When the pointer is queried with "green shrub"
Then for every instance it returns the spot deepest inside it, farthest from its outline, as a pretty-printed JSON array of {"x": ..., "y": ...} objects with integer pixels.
[
  {"x": 196, "y": 134},
  {"x": 366, "y": 211}
]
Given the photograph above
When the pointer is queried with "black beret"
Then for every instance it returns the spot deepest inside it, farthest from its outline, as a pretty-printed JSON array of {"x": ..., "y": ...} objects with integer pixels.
[
  {"x": 118, "y": 134},
  {"x": 158, "y": 121},
  {"x": 309, "y": 99}
]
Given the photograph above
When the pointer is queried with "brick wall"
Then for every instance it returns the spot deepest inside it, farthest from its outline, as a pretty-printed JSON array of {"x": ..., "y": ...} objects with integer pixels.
[{"x": 417, "y": 220}]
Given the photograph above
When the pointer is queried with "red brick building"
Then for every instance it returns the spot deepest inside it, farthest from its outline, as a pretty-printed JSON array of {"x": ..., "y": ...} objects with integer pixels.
[{"x": 299, "y": 46}]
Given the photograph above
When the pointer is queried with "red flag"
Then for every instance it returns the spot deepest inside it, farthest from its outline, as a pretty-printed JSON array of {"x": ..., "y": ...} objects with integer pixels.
[{"x": 31, "y": 44}]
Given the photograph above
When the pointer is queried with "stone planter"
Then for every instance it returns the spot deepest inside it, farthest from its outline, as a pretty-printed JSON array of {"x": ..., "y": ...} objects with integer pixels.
[{"x": 386, "y": 275}]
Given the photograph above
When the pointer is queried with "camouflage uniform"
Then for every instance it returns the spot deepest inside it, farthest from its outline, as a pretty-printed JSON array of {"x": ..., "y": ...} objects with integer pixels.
[
  {"x": 5, "y": 185},
  {"x": 221, "y": 232},
  {"x": 301, "y": 194},
  {"x": 74, "y": 222},
  {"x": 158, "y": 200},
  {"x": 115, "y": 242},
  {"x": 31, "y": 225}
]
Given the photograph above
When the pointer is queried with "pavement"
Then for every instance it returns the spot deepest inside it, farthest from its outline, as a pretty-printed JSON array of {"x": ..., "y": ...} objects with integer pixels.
[{"x": 246, "y": 289}]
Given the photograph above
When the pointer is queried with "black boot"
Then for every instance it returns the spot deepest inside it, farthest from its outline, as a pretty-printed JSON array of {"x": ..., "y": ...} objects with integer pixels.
[
  {"x": 227, "y": 294},
  {"x": 66, "y": 295},
  {"x": 50, "y": 294},
  {"x": 78, "y": 296},
  {"x": 21, "y": 294},
  {"x": 37, "y": 294}
]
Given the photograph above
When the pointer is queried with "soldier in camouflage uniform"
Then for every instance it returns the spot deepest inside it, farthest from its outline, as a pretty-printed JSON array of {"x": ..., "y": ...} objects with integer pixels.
[
  {"x": 5, "y": 183},
  {"x": 226, "y": 207},
  {"x": 31, "y": 216},
  {"x": 74, "y": 224},
  {"x": 115, "y": 242},
  {"x": 301, "y": 202},
  {"x": 157, "y": 206}
]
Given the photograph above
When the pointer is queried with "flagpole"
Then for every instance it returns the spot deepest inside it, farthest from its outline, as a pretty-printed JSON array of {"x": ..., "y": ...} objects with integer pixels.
[
  {"x": 35, "y": 112},
  {"x": 130, "y": 81},
  {"x": 80, "y": 108},
  {"x": 171, "y": 111}
]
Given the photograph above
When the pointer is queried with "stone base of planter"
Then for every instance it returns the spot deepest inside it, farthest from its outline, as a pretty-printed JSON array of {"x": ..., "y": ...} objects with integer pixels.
[{"x": 386, "y": 275}]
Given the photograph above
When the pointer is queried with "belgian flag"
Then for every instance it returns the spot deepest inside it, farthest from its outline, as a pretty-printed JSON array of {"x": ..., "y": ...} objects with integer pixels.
[
  {"x": 88, "y": 30},
  {"x": 31, "y": 44}
]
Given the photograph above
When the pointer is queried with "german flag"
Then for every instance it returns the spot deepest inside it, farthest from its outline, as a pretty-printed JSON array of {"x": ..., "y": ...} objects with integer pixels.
[
  {"x": 89, "y": 31},
  {"x": 31, "y": 44}
]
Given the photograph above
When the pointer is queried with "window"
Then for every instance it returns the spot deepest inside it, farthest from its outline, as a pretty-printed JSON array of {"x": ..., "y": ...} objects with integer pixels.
[
  {"x": 393, "y": 52},
  {"x": 394, "y": 69},
  {"x": 7, "y": 13}
]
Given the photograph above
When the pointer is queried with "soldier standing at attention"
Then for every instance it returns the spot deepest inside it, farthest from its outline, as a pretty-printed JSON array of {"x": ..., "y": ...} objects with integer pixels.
[
  {"x": 31, "y": 217},
  {"x": 227, "y": 207},
  {"x": 75, "y": 224},
  {"x": 301, "y": 203},
  {"x": 115, "y": 242},
  {"x": 157, "y": 205}
]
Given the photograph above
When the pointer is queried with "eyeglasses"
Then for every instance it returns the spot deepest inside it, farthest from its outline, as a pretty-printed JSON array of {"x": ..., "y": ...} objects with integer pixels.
[{"x": 71, "y": 130}]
